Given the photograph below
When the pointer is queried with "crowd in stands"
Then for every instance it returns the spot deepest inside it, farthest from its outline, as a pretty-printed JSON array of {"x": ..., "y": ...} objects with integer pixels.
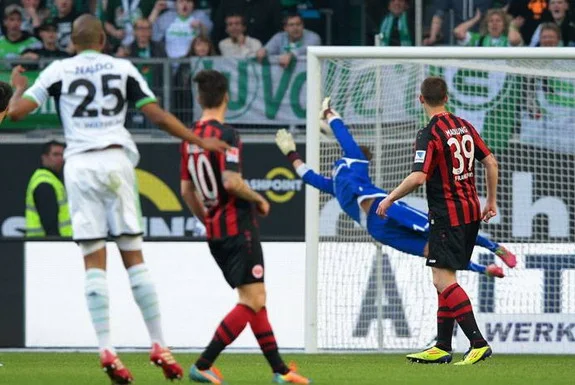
[
  {"x": 260, "y": 28},
  {"x": 487, "y": 23},
  {"x": 282, "y": 29}
]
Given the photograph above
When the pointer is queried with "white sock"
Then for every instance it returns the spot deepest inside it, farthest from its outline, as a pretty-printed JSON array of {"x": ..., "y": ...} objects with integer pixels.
[
  {"x": 147, "y": 299},
  {"x": 96, "y": 291}
]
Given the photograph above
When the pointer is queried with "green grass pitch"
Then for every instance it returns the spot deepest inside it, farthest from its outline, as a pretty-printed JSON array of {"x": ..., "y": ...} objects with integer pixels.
[{"x": 335, "y": 369}]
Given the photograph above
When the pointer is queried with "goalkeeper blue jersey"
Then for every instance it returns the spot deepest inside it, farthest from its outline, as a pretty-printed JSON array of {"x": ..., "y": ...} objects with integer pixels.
[{"x": 350, "y": 184}]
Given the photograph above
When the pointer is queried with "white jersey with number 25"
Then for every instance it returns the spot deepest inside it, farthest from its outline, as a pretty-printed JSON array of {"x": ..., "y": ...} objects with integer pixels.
[{"x": 92, "y": 91}]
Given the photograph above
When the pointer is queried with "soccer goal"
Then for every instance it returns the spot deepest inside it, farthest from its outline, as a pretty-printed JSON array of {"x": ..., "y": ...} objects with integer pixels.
[{"x": 362, "y": 296}]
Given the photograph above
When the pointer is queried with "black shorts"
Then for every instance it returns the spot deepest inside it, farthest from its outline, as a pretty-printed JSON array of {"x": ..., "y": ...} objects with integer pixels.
[
  {"x": 239, "y": 257},
  {"x": 451, "y": 247}
]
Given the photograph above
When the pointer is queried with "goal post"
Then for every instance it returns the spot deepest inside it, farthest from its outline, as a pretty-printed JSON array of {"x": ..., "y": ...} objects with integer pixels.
[{"x": 352, "y": 286}]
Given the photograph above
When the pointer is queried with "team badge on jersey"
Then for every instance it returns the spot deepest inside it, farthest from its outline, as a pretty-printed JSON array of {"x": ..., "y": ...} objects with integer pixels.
[
  {"x": 419, "y": 157},
  {"x": 233, "y": 155}
]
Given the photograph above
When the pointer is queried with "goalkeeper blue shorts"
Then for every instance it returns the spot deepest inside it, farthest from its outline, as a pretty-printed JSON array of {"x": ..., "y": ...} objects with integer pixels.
[{"x": 390, "y": 233}]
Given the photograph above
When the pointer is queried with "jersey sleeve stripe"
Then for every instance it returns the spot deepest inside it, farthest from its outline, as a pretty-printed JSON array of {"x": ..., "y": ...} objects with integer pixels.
[
  {"x": 142, "y": 102},
  {"x": 30, "y": 98}
]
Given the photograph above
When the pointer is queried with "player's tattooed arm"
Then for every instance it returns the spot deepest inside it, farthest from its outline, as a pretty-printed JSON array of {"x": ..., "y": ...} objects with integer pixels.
[{"x": 236, "y": 185}]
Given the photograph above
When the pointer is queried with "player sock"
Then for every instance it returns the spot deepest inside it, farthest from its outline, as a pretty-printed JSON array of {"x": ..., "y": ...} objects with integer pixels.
[
  {"x": 96, "y": 291},
  {"x": 263, "y": 332},
  {"x": 458, "y": 302},
  {"x": 445, "y": 323},
  {"x": 477, "y": 268},
  {"x": 228, "y": 330},
  {"x": 147, "y": 299},
  {"x": 487, "y": 243}
]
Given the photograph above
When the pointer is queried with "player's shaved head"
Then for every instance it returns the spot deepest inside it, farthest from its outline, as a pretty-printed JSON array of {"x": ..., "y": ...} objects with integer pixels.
[{"x": 88, "y": 33}]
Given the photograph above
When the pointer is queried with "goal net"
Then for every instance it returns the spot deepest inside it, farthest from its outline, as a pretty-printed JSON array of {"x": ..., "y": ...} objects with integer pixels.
[{"x": 365, "y": 296}]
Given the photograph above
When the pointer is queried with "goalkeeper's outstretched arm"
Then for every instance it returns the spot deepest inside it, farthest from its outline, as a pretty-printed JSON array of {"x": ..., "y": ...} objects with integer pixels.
[
  {"x": 340, "y": 131},
  {"x": 286, "y": 144}
]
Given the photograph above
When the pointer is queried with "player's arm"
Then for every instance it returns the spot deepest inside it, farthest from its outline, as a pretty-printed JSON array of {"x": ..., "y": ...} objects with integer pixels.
[
  {"x": 424, "y": 150},
  {"x": 188, "y": 190},
  {"x": 484, "y": 155},
  {"x": 341, "y": 132},
  {"x": 139, "y": 92},
  {"x": 287, "y": 146},
  {"x": 190, "y": 196},
  {"x": 232, "y": 179},
  {"x": 23, "y": 103}
]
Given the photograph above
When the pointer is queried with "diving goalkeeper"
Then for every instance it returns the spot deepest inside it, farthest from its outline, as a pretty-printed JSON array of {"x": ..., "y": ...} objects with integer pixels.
[{"x": 404, "y": 228}]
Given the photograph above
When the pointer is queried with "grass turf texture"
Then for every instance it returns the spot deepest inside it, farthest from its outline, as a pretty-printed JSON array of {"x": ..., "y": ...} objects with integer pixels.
[{"x": 336, "y": 369}]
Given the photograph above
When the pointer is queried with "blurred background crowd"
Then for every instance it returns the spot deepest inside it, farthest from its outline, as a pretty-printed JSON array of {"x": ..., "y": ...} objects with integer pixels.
[
  {"x": 264, "y": 29},
  {"x": 258, "y": 28}
]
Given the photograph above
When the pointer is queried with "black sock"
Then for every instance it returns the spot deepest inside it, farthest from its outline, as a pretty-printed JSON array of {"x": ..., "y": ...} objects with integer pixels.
[
  {"x": 445, "y": 323},
  {"x": 264, "y": 334},
  {"x": 228, "y": 330}
]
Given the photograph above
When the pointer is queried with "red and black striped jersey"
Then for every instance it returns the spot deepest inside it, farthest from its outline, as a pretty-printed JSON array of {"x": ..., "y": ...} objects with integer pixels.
[
  {"x": 446, "y": 151},
  {"x": 227, "y": 215}
]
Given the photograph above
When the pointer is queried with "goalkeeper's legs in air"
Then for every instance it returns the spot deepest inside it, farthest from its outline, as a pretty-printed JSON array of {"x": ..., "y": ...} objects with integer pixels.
[
  {"x": 505, "y": 255},
  {"x": 413, "y": 242},
  {"x": 241, "y": 261}
]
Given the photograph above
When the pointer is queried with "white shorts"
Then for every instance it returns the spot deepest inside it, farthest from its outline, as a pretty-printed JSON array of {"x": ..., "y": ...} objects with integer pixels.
[{"x": 102, "y": 195}]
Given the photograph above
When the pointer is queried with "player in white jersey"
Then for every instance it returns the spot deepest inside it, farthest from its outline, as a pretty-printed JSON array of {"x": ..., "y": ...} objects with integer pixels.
[{"x": 92, "y": 91}]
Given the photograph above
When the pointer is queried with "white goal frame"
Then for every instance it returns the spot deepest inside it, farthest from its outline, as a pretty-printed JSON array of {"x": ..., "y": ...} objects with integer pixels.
[{"x": 314, "y": 97}]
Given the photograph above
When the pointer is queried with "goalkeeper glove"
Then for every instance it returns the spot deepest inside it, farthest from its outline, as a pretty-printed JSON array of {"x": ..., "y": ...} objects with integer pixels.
[
  {"x": 286, "y": 144},
  {"x": 327, "y": 110},
  {"x": 324, "y": 119}
]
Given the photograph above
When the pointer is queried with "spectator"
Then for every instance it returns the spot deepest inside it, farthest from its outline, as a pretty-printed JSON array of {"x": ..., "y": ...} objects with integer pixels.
[
  {"x": 64, "y": 19},
  {"x": 120, "y": 16},
  {"x": 396, "y": 28},
  {"x": 527, "y": 15},
  {"x": 144, "y": 48},
  {"x": 46, "y": 201},
  {"x": 559, "y": 14},
  {"x": 238, "y": 43},
  {"x": 263, "y": 17},
  {"x": 33, "y": 15},
  {"x": 494, "y": 31},
  {"x": 550, "y": 35},
  {"x": 15, "y": 41},
  {"x": 49, "y": 35},
  {"x": 462, "y": 11},
  {"x": 201, "y": 46},
  {"x": 290, "y": 43},
  {"x": 183, "y": 103},
  {"x": 185, "y": 26}
]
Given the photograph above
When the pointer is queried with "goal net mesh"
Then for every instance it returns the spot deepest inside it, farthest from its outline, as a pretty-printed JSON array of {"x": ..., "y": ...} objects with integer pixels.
[{"x": 371, "y": 297}]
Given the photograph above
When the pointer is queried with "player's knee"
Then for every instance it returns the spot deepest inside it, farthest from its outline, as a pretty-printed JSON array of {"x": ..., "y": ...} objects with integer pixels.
[
  {"x": 89, "y": 247},
  {"x": 255, "y": 299},
  {"x": 129, "y": 242}
]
